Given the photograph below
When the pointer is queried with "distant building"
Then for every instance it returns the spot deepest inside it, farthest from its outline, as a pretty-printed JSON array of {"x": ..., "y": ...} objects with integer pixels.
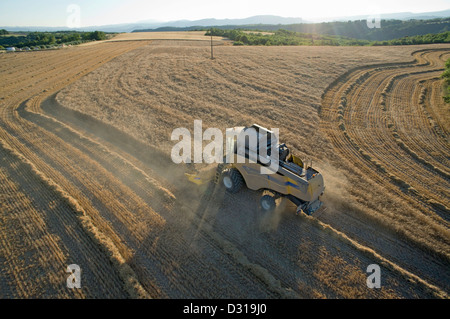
[{"x": 11, "y": 49}]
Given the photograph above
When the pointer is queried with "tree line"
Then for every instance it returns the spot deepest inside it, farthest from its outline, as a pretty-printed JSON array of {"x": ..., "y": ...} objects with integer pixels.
[
  {"x": 389, "y": 30},
  {"x": 44, "y": 39},
  {"x": 286, "y": 37}
]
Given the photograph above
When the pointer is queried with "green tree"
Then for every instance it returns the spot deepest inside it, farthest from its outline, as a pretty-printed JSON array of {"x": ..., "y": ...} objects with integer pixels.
[
  {"x": 98, "y": 35},
  {"x": 243, "y": 38}
]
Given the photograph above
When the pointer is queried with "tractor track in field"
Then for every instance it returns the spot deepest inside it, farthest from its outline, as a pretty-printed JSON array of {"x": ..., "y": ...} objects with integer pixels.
[
  {"x": 366, "y": 123},
  {"x": 32, "y": 144},
  {"x": 34, "y": 221},
  {"x": 378, "y": 120},
  {"x": 130, "y": 217}
]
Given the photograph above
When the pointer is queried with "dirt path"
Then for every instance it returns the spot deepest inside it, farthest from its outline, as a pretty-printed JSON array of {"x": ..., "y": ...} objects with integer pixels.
[{"x": 142, "y": 221}]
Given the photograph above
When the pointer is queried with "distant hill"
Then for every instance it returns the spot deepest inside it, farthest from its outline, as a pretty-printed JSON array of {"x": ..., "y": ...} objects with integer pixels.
[
  {"x": 390, "y": 16},
  {"x": 390, "y": 29},
  {"x": 255, "y": 20},
  {"x": 285, "y": 37},
  {"x": 261, "y": 19}
]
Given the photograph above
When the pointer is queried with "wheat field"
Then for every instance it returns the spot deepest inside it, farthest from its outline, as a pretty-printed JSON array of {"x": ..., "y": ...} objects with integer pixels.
[{"x": 87, "y": 177}]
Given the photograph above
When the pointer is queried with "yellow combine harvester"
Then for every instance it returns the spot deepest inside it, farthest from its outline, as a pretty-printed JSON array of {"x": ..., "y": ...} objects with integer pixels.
[{"x": 291, "y": 179}]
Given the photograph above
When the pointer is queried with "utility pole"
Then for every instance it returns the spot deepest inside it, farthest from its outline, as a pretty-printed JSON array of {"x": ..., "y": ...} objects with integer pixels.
[{"x": 212, "y": 52}]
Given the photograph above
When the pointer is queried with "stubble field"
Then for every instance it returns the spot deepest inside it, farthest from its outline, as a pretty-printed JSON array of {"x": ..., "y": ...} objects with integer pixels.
[{"x": 87, "y": 177}]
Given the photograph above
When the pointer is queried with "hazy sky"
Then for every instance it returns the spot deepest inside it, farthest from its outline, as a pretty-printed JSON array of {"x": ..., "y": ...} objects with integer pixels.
[{"x": 102, "y": 12}]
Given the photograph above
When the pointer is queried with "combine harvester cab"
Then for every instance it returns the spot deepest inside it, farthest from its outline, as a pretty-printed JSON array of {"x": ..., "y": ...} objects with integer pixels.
[{"x": 291, "y": 179}]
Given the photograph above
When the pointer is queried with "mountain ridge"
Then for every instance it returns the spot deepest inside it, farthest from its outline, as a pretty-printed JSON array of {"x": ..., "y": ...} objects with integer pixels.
[{"x": 212, "y": 22}]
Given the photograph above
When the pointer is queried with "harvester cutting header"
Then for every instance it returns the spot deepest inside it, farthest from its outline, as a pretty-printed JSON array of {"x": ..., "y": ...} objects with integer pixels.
[{"x": 266, "y": 166}]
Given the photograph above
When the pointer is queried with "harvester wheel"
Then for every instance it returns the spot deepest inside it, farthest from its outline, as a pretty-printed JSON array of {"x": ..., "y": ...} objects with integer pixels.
[
  {"x": 268, "y": 203},
  {"x": 232, "y": 180}
]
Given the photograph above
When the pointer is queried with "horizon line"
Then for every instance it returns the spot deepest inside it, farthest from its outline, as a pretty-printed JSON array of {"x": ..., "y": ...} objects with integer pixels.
[{"x": 304, "y": 20}]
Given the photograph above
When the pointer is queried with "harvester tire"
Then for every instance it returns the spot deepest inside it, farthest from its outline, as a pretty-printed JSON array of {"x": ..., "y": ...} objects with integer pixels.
[{"x": 232, "y": 180}]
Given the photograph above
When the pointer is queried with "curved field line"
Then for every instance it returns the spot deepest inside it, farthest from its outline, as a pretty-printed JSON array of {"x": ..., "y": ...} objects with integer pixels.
[
  {"x": 14, "y": 130},
  {"x": 132, "y": 286},
  {"x": 378, "y": 126}
]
